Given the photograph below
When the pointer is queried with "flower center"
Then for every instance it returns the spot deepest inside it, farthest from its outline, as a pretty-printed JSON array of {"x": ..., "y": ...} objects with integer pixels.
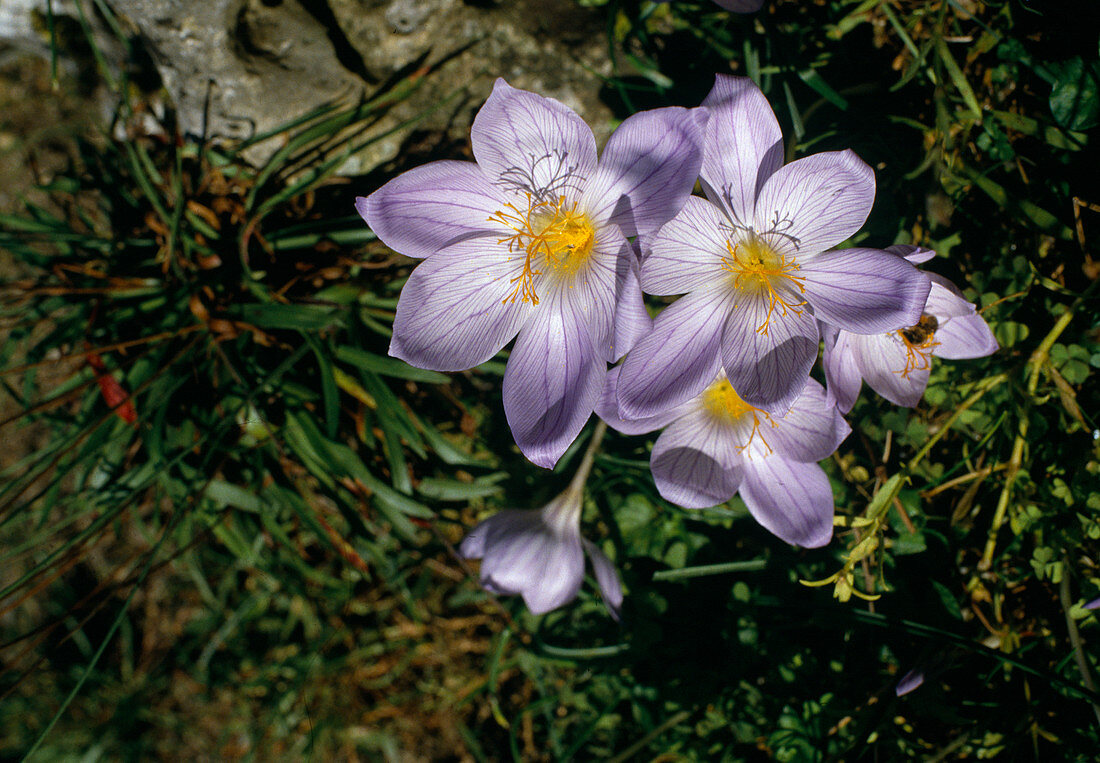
[
  {"x": 758, "y": 269},
  {"x": 727, "y": 407},
  {"x": 551, "y": 236},
  {"x": 919, "y": 341}
]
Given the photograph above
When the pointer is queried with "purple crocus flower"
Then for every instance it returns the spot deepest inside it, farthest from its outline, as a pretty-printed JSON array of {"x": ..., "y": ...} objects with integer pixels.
[
  {"x": 717, "y": 445},
  {"x": 753, "y": 263},
  {"x": 539, "y": 554},
  {"x": 896, "y": 364},
  {"x": 532, "y": 240},
  {"x": 1094, "y": 604}
]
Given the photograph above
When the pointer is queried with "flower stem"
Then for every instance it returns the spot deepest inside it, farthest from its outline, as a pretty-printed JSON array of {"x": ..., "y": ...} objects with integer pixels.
[{"x": 576, "y": 485}]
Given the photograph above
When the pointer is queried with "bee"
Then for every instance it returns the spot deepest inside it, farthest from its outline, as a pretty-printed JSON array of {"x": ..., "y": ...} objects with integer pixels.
[{"x": 922, "y": 332}]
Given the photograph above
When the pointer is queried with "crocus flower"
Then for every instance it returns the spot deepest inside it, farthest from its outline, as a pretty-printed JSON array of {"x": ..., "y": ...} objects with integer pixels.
[
  {"x": 532, "y": 241},
  {"x": 538, "y": 553},
  {"x": 752, "y": 260},
  {"x": 1094, "y": 604},
  {"x": 717, "y": 445},
  {"x": 896, "y": 364}
]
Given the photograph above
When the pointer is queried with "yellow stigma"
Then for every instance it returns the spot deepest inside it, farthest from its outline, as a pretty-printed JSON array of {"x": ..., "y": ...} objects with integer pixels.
[
  {"x": 553, "y": 238},
  {"x": 759, "y": 269},
  {"x": 725, "y": 405}
]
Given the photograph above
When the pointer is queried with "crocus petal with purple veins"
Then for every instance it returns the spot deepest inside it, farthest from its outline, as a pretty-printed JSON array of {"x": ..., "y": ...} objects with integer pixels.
[
  {"x": 811, "y": 430},
  {"x": 743, "y": 147},
  {"x": 768, "y": 368},
  {"x": 647, "y": 170},
  {"x": 914, "y": 254},
  {"x": 607, "y": 408},
  {"x": 887, "y": 368},
  {"x": 540, "y": 554},
  {"x": 794, "y": 501},
  {"x": 865, "y": 291},
  {"x": 841, "y": 372},
  {"x": 678, "y": 359},
  {"x": 632, "y": 321},
  {"x": 815, "y": 202},
  {"x": 525, "y": 141},
  {"x": 522, "y": 553},
  {"x": 425, "y": 209},
  {"x": 965, "y": 337},
  {"x": 552, "y": 381},
  {"x": 945, "y": 300},
  {"x": 453, "y": 314},
  {"x": 692, "y": 479},
  {"x": 681, "y": 258},
  {"x": 611, "y": 589}
]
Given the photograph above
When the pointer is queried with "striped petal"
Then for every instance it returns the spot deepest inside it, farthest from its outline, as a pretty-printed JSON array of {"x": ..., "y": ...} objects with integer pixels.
[
  {"x": 814, "y": 203},
  {"x": 687, "y": 463},
  {"x": 768, "y": 368},
  {"x": 743, "y": 147},
  {"x": 453, "y": 313},
  {"x": 793, "y": 501},
  {"x": 527, "y": 142},
  {"x": 865, "y": 291},
  {"x": 678, "y": 359},
  {"x": 647, "y": 170},
  {"x": 686, "y": 254},
  {"x": 552, "y": 382},
  {"x": 427, "y": 208}
]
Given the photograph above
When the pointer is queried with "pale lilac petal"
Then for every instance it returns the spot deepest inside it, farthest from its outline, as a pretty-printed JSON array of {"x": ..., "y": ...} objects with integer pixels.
[
  {"x": 453, "y": 312},
  {"x": 811, "y": 430},
  {"x": 678, "y": 359},
  {"x": 741, "y": 6},
  {"x": 814, "y": 203},
  {"x": 423, "y": 210},
  {"x": 865, "y": 291},
  {"x": 632, "y": 320},
  {"x": 527, "y": 142},
  {"x": 882, "y": 362},
  {"x": 910, "y": 681},
  {"x": 686, "y": 254},
  {"x": 522, "y": 555},
  {"x": 841, "y": 371},
  {"x": 768, "y": 370},
  {"x": 791, "y": 500},
  {"x": 1094, "y": 604},
  {"x": 698, "y": 429},
  {"x": 607, "y": 578},
  {"x": 915, "y": 254},
  {"x": 606, "y": 288},
  {"x": 945, "y": 300},
  {"x": 964, "y": 337},
  {"x": 647, "y": 170},
  {"x": 686, "y": 475},
  {"x": 552, "y": 382},
  {"x": 607, "y": 408},
  {"x": 743, "y": 147}
]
